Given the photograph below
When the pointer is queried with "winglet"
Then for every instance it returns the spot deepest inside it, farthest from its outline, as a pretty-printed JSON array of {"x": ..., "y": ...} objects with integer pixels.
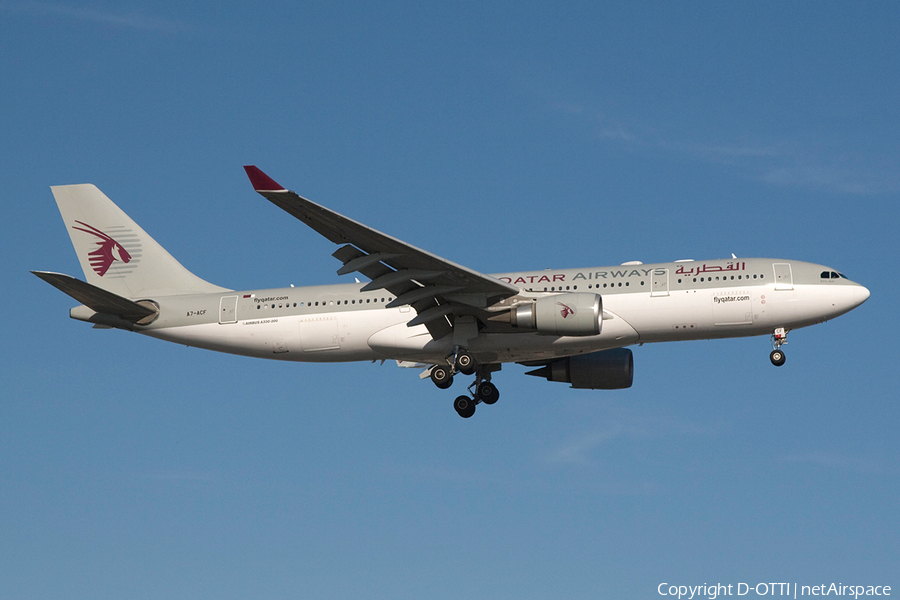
[{"x": 261, "y": 182}]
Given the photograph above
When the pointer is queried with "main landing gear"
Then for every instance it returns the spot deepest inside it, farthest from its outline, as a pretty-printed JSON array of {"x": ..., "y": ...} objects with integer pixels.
[
  {"x": 482, "y": 390},
  {"x": 779, "y": 338},
  {"x": 485, "y": 391}
]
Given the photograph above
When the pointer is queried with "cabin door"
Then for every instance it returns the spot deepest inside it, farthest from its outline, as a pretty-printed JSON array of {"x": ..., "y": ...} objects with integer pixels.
[
  {"x": 783, "y": 278},
  {"x": 228, "y": 309}
]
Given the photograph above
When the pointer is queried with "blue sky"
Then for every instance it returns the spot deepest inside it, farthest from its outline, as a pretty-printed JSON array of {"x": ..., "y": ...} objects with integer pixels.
[{"x": 502, "y": 136}]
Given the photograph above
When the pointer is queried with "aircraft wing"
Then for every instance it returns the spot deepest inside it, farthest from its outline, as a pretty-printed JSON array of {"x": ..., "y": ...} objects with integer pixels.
[{"x": 433, "y": 286}]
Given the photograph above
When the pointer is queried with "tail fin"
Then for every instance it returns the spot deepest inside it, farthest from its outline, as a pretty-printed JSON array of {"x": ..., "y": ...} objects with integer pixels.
[{"x": 115, "y": 253}]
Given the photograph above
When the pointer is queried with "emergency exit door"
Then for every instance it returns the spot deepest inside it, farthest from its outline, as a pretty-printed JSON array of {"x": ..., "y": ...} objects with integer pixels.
[{"x": 659, "y": 282}]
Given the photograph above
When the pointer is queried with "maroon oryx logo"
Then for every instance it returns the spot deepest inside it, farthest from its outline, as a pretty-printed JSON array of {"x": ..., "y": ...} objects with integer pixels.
[
  {"x": 109, "y": 251},
  {"x": 566, "y": 310}
]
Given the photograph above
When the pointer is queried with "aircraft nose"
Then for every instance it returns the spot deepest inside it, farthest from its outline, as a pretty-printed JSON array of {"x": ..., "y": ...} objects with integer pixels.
[
  {"x": 853, "y": 296},
  {"x": 862, "y": 294},
  {"x": 845, "y": 298}
]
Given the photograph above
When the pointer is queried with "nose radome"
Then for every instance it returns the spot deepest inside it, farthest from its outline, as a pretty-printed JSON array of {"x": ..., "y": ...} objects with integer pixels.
[
  {"x": 862, "y": 294},
  {"x": 852, "y": 296}
]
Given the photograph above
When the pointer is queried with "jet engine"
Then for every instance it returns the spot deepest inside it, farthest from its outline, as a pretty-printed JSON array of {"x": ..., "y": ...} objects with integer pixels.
[
  {"x": 577, "y": 313},
  {"x": 604, "y": 370}
]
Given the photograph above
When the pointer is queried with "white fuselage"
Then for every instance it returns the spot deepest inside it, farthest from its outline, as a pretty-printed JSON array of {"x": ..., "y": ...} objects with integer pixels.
[{"x": 641, "y": 304}]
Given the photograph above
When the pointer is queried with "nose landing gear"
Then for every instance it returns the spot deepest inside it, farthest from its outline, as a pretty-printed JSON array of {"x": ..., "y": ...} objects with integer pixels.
[
  {"x": 779, "y": 338},
  {"x": 777, "y": 357}
]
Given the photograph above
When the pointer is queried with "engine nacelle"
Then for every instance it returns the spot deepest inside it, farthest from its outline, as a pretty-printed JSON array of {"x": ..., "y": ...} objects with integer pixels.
[
  {"x": 604, "y": 370},
  {"x": 578, "y": 313}
]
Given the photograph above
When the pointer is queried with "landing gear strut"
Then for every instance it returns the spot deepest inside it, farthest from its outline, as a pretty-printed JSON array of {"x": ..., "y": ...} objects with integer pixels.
[
  {"x": 779, "y": 338},
  {"x": 481, "y": 390},
  {"x": 460, "y": 362}
]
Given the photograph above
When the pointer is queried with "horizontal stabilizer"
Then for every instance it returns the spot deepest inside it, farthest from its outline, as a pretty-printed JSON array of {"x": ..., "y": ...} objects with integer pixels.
[{"x": 98, "y": 299}]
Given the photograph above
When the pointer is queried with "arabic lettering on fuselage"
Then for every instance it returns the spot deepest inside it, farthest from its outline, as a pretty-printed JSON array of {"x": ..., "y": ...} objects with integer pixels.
[
  {"x": 705, "y": 268},
  {"x": 608, "y": 274}
]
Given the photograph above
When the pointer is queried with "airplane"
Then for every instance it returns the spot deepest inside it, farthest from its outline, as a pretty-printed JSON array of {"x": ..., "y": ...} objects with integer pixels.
[{"x": 571, "y": 325}]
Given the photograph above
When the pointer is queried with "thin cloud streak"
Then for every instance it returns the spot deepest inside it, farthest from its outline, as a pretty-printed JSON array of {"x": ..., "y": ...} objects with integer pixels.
[
  {"x": 778, "y": 163},
  {"x": 834, "y": 461},
  {"x": 175, "y": 476},
  {"x": 130, "y": 20},
  {"x": 577, "y": 451},
  {"x": 581, "y": 449}
]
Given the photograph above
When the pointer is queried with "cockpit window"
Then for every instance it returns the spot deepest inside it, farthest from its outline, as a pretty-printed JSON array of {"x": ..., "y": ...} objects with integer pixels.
[{"x": 832, "y": 275}]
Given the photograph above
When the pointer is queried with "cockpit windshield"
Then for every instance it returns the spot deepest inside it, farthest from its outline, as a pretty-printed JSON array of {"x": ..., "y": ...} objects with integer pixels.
[{"x": 832, "y": 275}]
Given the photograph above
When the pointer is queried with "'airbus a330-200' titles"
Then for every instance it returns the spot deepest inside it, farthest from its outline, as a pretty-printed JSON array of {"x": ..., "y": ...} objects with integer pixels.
[{"x": 426, "y": 312}]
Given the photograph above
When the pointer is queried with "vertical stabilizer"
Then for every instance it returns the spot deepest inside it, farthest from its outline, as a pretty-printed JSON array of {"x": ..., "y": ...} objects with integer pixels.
[{"x": 115, "y": 253}]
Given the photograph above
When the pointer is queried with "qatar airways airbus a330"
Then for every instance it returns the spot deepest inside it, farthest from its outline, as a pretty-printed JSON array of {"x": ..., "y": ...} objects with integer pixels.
[{"x": 572, "y": 325}]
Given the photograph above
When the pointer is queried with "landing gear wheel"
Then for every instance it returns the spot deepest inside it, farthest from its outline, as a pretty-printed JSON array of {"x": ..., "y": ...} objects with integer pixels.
[
  {"x": 465, "y": 363},
  {"x": 487, "y": 392},
  {"x": 442, "y": 377},
  {"x": 777, "y": 357},
  {"x": 464, "y": 406}
]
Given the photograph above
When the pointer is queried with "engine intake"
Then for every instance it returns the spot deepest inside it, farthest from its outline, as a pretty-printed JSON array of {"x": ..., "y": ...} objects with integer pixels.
[
  {"x": 577, "y": 313},
  {"x": 604, "y": 370}
]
